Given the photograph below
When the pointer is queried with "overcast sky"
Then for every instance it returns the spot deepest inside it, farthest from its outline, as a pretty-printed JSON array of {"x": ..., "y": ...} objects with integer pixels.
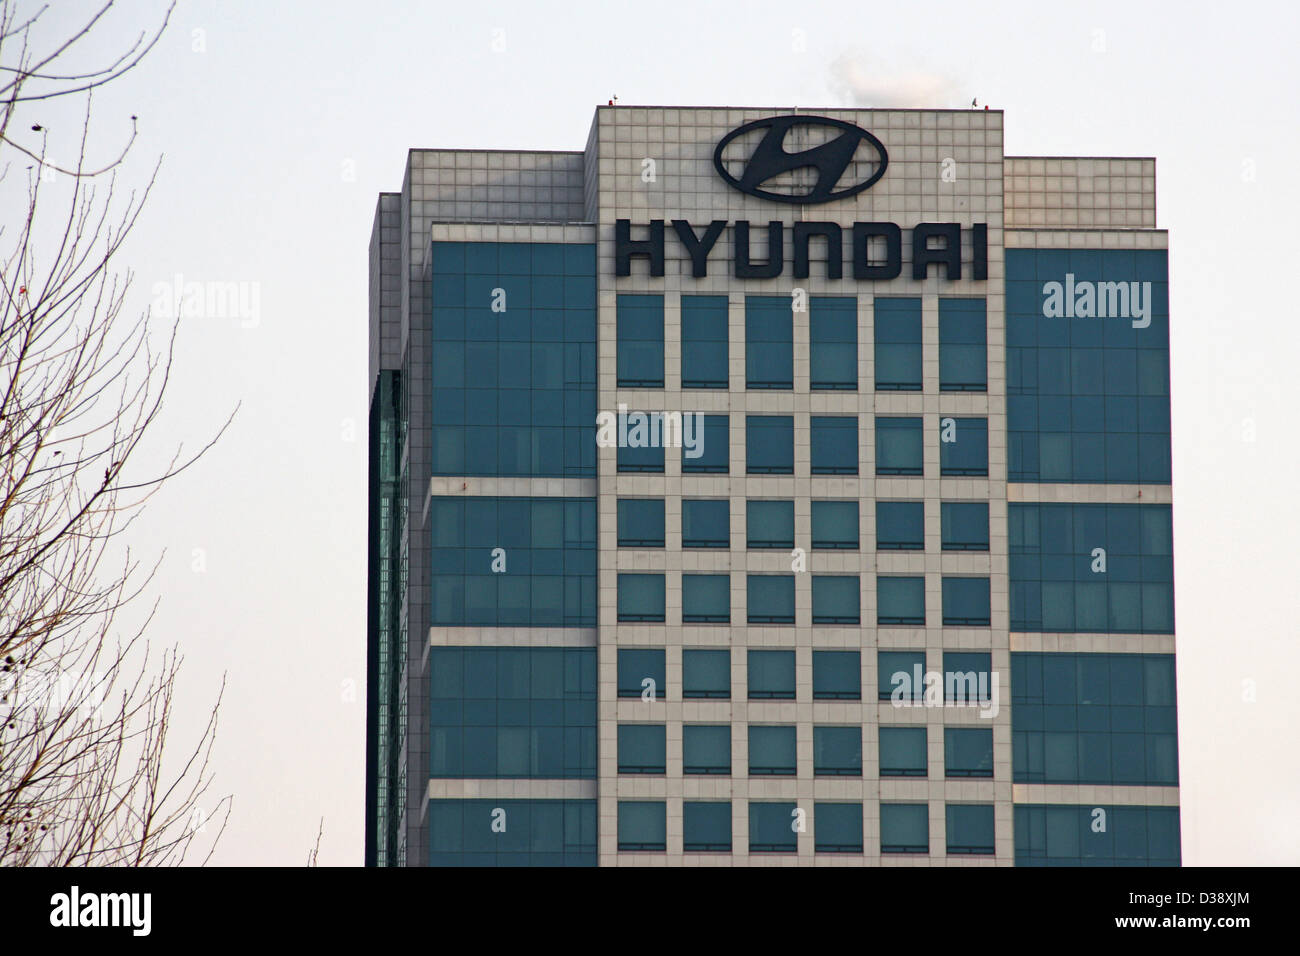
[{"x": 279, "y": 122}]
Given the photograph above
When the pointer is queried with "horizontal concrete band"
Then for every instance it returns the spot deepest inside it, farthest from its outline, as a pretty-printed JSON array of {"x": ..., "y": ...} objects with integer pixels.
[
  {"x": 1075, "y": 795},
  {"x": 440, "y": 789}
]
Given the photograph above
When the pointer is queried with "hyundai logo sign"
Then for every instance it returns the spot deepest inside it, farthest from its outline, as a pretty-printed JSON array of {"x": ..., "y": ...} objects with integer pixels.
[{"x": 771, "y": 171}]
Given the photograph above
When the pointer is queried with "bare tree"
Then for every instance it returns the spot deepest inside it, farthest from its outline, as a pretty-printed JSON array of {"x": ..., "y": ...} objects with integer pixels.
[{"x": 85, "y": 711}]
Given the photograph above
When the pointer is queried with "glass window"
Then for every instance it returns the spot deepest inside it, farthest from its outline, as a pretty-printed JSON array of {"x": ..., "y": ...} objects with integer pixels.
[
  {"x": 900, "y": 526},
  {"x": 898, "y": 446},
  {"x": 769, "y": 342},
  {"x": 638, "y": 454},
  {"x": 640, "y": 597},
  {"x": 771, "y": 675},
  {"x": 706, "y": 523},
  {"x": 837, "y": 675},
  {"x": 704, "y": 342},
  {"x": 837, "y": 751},
  {"x": 771, "y": 598},
  {"x": 640, "y": 341},
  {"x": 967, "y": 676},
  {"x": 714, "y": 450},
  {"x": 963, "y": 351},
  {"x": 641, "y": 748},
  {"x": 836, "y": 599},
  {"x": 706, "y": 673},
  {"x": 963, "y": 446},
  {"x": 903, "y": 752},
  {"x": 706, "y": 598},
  {"x": 833, "y": 343},
  {"x": 834, "y": 444},
  {"x": 965, "y": 525},
  {"x": 771, "y": 751},
  {"x": 898, "y": 344},
  {"x": 970, "y": 829},
  {"x": 900, "y": 600},
  {"x": 834, "y": 525},
  {"x": 900, "y": 670},
  {"x": 904, "y": 828},
  {"x": 640, "y": 522},
  {"x": 837, "y": 827},
  {"x": 636, "y": 666},
  {"x": 642, "y": 826},
  {"x": 1062, "y": 835},
  {"x": 706, "y": 827},
  {"x": 769, "y": 524},
  {"x": 966, "y": 602},
  {"x": 706, "y": 749},
  {"x": 769, "y": 444},
  {"x": 771, "y": 827},
  {"x": 968, "y": 752}
]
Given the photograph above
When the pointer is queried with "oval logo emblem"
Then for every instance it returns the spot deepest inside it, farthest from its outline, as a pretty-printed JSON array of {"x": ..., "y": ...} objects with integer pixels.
[{"x": 834, "y": 154}]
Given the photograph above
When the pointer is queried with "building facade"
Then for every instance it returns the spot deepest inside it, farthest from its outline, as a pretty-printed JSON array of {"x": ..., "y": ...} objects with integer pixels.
[{"x": 771, "y": 487}]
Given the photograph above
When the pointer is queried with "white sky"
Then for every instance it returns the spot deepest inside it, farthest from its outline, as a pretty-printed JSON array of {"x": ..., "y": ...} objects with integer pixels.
[{"x": 279, "y": 123}]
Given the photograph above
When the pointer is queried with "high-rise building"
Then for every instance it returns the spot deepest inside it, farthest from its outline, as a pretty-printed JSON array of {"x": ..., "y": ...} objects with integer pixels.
[{"x": 771, "y": 486}]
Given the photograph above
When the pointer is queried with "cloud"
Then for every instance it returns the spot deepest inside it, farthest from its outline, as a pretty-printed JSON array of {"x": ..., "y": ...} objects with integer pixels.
[{"x": 858, "y": 81}]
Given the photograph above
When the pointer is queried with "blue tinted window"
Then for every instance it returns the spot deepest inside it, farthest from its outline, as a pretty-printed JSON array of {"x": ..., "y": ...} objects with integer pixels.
[
  {"x": 712, "y": 454},
  {"x": 833, "y": 343},
  {"x": 771, "y": 751},
  {"x": 503, "y": 562},
  {"x": 970, "y": 829},
  {"x": 769, "y": 444},
  {"x": 641, "y": 748},
  {"x": 769, "y": 342},
  {"x": 706, "y": 673},
  {"x": 965, "y": 525},
  {"x": 1088, "y": 397},
  {"x": 837, "y": 827},
  {"x": 640, "y": 522},
  {"x": 898, "y": 446},
  {"x": 513, "y": 393},
  {"x": 643, "y": 450},
  {"x": 836, "y": 599},
  {"x": 706, "y": 523},
  {"x": 902, "y": 671},
  {"x": 704, "y": 341},
  {"x": 1068, "y": 836},
  {"x": 968, "y": 752},
  {"x": 967, "y": 676},
  {"x": 963, "y": 446},
  {"x": 898, "y": 344},
  {"x": 837, "y": 675},
  {"x": 966, "y": 602},
  {"x": 1099, "y": 568},
  {"x": 1101, "y": 719},
  {"x": 834, "y": 525},
  {"x": 771, "y": 675},
  {"x": 640, "y": 597},
  {"x": 538, "y": 833},
  {"x": 834, "y": 441},
  {"x": 769, "y": 828},
  {"x": 900, "y": 600},
  {"x": 837, "y": 751},
  {"x": 963, "y": 348},
  {"x": 900, "y": 526},
  {"x": 771, "y": 598},
  {"x": 903, "y": 752},
  {"x": 706, "y": 598},
  {"x": 512, "y": 712},
  {"x": 642, "y": 826},
  {"x": 706, "y": 827},
  {"x": 706, "y": 749},
  {"x": 904, "y": 828},
  {"x": 641, "y": 341},
  {"x": 769, "y": 524},
  {"x": 636, "y": 666}
]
